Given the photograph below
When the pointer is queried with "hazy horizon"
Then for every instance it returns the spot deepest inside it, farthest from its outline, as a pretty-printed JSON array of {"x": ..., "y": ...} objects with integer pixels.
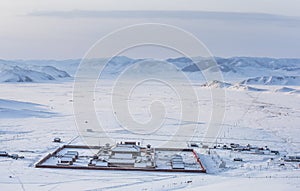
[{"x": 66, "y": 30}]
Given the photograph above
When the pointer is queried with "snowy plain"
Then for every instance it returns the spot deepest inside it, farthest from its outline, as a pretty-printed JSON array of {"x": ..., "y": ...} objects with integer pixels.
[{"x": 33, "y": 113}]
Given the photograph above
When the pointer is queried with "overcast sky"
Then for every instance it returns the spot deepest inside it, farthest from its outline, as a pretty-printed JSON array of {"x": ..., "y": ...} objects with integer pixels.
[{"x": 62, "y": 29}]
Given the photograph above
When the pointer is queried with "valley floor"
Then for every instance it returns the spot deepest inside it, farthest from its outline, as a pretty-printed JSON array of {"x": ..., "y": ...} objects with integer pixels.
[{"x": 264, "y": 118}]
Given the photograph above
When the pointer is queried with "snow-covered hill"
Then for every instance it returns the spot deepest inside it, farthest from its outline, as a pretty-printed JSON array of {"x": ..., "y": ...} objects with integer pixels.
[
  {"x": 70, "y": 66},
  {"x": 12, "y": 72},
  {"x": 274, "y": 80},
  {"x": 226, "y": 85},
  {"x": 217, "y": 84},
  {"x": 243, "y": 67},
  {"x": 151, "y": 68},
  {"x": 180, "y": 62},
  {"x": 247, "y": 88}
]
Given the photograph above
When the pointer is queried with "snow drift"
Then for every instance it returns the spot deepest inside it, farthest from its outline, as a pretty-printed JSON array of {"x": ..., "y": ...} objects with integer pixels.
[{"x": 19, "y": 109}]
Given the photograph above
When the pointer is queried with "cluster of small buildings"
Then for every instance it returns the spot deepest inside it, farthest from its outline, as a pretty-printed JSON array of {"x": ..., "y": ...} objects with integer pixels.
[
  {"x": 68, "y": 158},
  {"x": 291, "y": 158},
  {"x": 124, "y": 155},
  {"x": 247, "y": 148},
  {"x": 128, "y": 155}
]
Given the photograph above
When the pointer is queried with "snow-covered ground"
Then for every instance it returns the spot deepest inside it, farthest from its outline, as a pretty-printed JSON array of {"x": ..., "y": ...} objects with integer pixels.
[
  {"x": 256, "y": 117},
  {"x": 259, "y": 118}
]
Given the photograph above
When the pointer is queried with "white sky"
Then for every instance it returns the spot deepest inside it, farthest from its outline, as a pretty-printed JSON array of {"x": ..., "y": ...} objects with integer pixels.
[{"x": 52, "y": 37}]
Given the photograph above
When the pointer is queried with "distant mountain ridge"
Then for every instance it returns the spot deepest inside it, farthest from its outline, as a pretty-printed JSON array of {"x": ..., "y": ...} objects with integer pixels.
[
  {"x": 246, "y": 70},
  {"x": 251, "y": 66}
]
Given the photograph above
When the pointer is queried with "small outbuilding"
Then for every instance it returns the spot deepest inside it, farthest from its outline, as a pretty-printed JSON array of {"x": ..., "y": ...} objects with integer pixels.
[
  {"x": 238, "y": 159},
  {"x": 126, "y": 149},
  {"x": 57, "y": 140},
  {"x": 74, "y": 153},
  {"x": 73, "y": 157},
  {"x": 65, "y": 161}
]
